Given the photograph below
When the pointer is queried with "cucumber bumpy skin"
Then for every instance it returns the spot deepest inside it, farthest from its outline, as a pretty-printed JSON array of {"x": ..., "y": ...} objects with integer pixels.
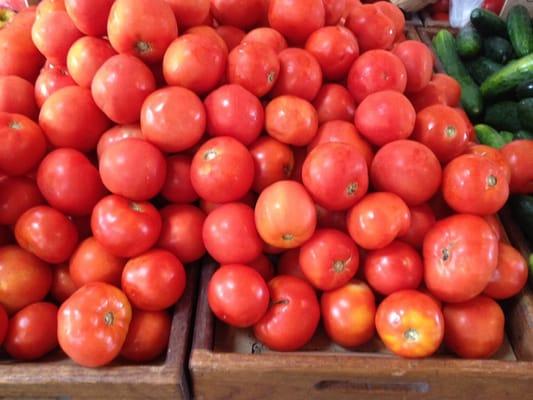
[{"x": 509, "y": 77}]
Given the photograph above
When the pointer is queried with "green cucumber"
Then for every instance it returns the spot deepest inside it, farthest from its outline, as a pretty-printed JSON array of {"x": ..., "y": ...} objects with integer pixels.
[
  {"x": 523, "y": 135},
  {"x": 489, "y": 136},
  {"x": 468, "y": 42},
  {"x": 520, "y": 30},
  {"x": 498, "y": 49},
  {"x": 522, "y": 208},
  {"x": 525, "y": 113},
  {"x": 444, "y": 44},
  {"x": 503, "y": 116},
  {"x": 507, "y": 136},
  {"x": 509, "y": 77},
  {"x": 524, "y": 90},
  {"x": 488, "y": 23},
  {"x": 481, "y": 68}
]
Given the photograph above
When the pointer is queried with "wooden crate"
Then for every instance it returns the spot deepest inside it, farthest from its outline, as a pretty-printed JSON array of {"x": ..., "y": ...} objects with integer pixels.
[{"x": 57, "y": 377}]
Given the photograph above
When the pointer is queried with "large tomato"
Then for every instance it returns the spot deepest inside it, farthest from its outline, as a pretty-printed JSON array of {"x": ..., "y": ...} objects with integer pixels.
[
  {"x": 274, "y": 161},
  {"x": 430, "y": 95},
  {"x": 422, "y": 219},
  {"x": 50, "y": 80},
  {"x": 449, "y": 87},
  {"x": 492, "y": 154},
  {"x": 331, "y": 219},
  {"x": 178, "y": 187},
  {"x": 510, "y": 274},
  {"x": 493, "y": 5},
  {"x": 395, "y": 14},
  {"x": 209, "y": 31},
  {"x": 89, "y": 16},
  {"x": 62, "y": 285},
  {"x": 190, "y": 12},
  {"x": 296, "y": 19},
  {"x": 372, "y": 28},
  {"x": 86, "y": 56},
  {"x": 334, "y": 102},
  {"x": 17, "y": 96},
  {"x": 418, "y": 61},
  {"x": 518, "y": 156},
  {"x": 460, "y": 256},
  {"x": 93, "y": 323},
  {"x": 17, "y": 195},
  {"x": 243, "y": 14},
  {"x": 268, "y": 36},
  {"x": 117, "y": 134},
  {"x": 264, "y": 266}
]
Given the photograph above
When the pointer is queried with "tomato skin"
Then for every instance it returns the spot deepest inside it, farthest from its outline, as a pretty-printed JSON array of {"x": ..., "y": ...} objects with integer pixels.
[
  {"x": 465, "y": 320},
  {"x": 441, "y": 6},
  {"x": 268, "y": 36},
  {"x": 510, "y": 275},
  {"x": 378, "y": 219},
  {"x": 120, "y": 87},
  {"x": 449, "y": 87},
  {"x": 89, "y": 16},
  {"x": 3, "y": 324},
  {"x": 93, "y": 323},
  {"x": 274, "y": 161},
  {"x": 418, "y": 61},
  {"x": 222, "y": 170},
  {"x": 410, "y": 324},
  {"x": 17, "y": 195},
  {"x": 17, "y": 96},
  {"x": 428, "y": 96},
  {"x": 285, "y": 215},
  {"x": 408, "y": 169},
  {"x": 117, "y": 134},
  {"x": 189, "y": 12},
  {"x": 334, "y": 102},
  {"x": 85, "y": 57},
  {"x": 243, "y": 14},
  {"x": 348, "y": 314},
  {"x": 62, "y": 285},
  {"x": 422, "y": 219},
  {"x": 395, "y": 15},
  {"x": 263, "y": 265},
  {"x": 492, "y": 154},
  {"x": 518, "y": 156},
  {"x": 178, "y": 187},
  {"x": 493, "y": 5},
  {"x": 331, "y": 219},
  {"x": 382, "y": 33},
  {"x": 238, "y": 295},
  {"x": 51, "y": 79},
  {"x": 296, "y": 19},
  {"x": 460, "y": 256}
]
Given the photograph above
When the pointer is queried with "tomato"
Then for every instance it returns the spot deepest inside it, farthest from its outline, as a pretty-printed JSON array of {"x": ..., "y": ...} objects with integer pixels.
[
  {"x": 336, "y": 175},
  {"x": 234, "y": 111},
  {"x": 189, "y": 12},
  {"x": 85, "y": 57},
  {"x": 378, "y": 219},
  {"x": 334, "y": 10},
  {"x": 410, "y": 324},
  {"x": 285, "y": 215},
  {"x": 348, "y": 314},
  {"x": 496, "y": 225},
  {"x": 464, "y": 322},
  {"x": 334, "y": 102},
  {"x": 268, "y": 36},
  {"x": 120, "y": 87},
  {"x": 89, "y": 16},
  {"x": 408, "y": 169},
  {"x": 384, "y": 117},
  {"x": 510, "y": 275},
  {"x": 493, "y": 155},
  {"x": 17, "y": 96},
  {"x": 493, "y": 5},
  {"x": 208, "y": 206},
  {"x": 51, "y": 79},
  {"x": 62, "y": 285},
  {"x": 17, "y": 195},
  {"x": 441, "y": 6},
  {"x": 255, "y": 66},
  {"x": 117, "y": 134},
  {"x": 243, "y": 14},
  {"x": 430, "y": 95},
  {"x": 3, "y": 324},
  {"x": 422, "y": 219},
  {"x": 372, "y": 28},
  {"x": 22, "y": 144},
  {"x": 469, "y": 125},
  {"x": 148, "y": 335},
  {"x": 296, "y": 19},
  {"x": 441, "y": 16},
  {"x": 25, "y": 278},
  {"x": 375, "y": 71},
  {"x": 93, "y": 323},
  {"x": 449, "y": 87},
  {"x": 232, "y": 36},
  {"x": 331, "y": 219},
  {"x": 289, "y": 264},
  {"x": 394, "y": 13},
  {"x": 518, "y": 156},
  {"x": 154, "y": 280},
  {"x": 222, "y": 170},
  {"x": 293, "y": 316},
  {"x": 209, "y": 31},
  {"x": 460, "y": 256},
  {"x": 291, "y": 120},
  {"x": 263, "y": 265},
  {"x": 134, "y": 169},
  {"x": 274, "y": 161},
  {"x": 443, "y": 130},
  {"x": 418, "y": 61},
  {"x": 178, "y": 187}
]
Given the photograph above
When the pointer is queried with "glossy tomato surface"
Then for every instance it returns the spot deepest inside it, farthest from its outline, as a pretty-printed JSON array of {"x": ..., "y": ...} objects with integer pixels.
[
  {"x": 296, "y": 19},
  {"x": 372, "y": 28},
  {"x": 85, "y": 57},
  {"x": 17, "y": 96},
  {"x": 274, "y": 161},
  {"x": 89, "y": 16},
  {"x": 418, "y": 61},
  {"x": 510, "y": 274},
  {"x": 518, "y": 156},
  {"x": 17, "y": 195},
  {"x": 334, "y": 102}
]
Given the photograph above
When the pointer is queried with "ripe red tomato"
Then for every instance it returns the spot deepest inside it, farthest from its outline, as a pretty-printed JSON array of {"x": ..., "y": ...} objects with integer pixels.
[
  {"x": 331, "y": 219},
  {"x": 117, "y": 134},
  {"x": 62, "y": 285},
  {"x": 232, "y": 36},
  {"x": 334, "y": 102},
  {"x": 50, "y": 80},
  {"x": 384, "y": 117},
  {"x": 178, "y": 187},
  {"x": 408, "y": 169},
  {"x": 154, "y": 280},
  {"x": 268, "y": 36},
  {"x": 449, "y": 87},
  {"x": 422, "y": 219},
  {"x": 464, "y": 322},
  {"x": 274, "y": 161},
  {"x": 418, "y": 61},
  {"x": 238, "y": 295},
  {"x": 17, "y": 195},
  {"x": 234, "y": 111},
  {"x": 134, "y": 169},
  {"x": 510, "y": 274},
  {"x": 3, "y": 324},
  {"x": 334, "y": 10},
  {"x": 336, "y": 175},
  {"x": 493, "y": 155},
  {"x": 222, "y": 170},
  {"x": 410, "y": 324},
  {"x": 493, "y": 5},
  {"x": 148, "y": 335},
  {"x": 518, "y": 156},
  {"x": 394, "y": 13},
  {"x": 285, "y": 215},
  {"x": 428, "y": 96},
  {"x": 348, "y": 314},
  {"x": 460, "y": 256},
  {"x": 442, "y": 6},
  {"x": 293, "y": 316},
  {"x": 255, "y": 66},
  {"x": 209, "y": 31},
  {"x": 208, "y": 206},
  {"x": 17, "y": 96},
  {"x": 378, "y": 219},
  {"x": 125, "y": 228},
  {"x": 189, "y": 12},
  {"x": 375, "y": 71},
  {"x": 243, "y": 14},
  {"x": 263, "y": 265},
  {"x": 89, "y": 16},
  {"x": 289, "y": 264},
  {"x": 296, "y": 19},
  {"x": 120, "y": 87},
  {"x": 93, "y": 323},
  {"x": 372, "y": 28},
  {"x": 86, "y": 56}
]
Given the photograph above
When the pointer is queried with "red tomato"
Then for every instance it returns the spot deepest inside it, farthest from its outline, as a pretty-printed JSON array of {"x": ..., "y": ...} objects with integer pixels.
[
  {"x": 493, "y": 5},
  {"x": 395, "y": 267},
  {"x": 296, "y": 19},
  {"x": 210, "y": 32},
  {"x": 518, "y": 156},
  {"x": 32, "y": 332},
  {"x": 331, "y": 219},
  {"x": 449, "y": 87},
  {"x": 422, "y": 219},
  {"x": 154, "y": 280},
  {"x": 334, "y": 102},
  {"x": 222, "y": 170},
  {"x": 375, "y": 71},
  {"x": 93, "y": 323},
  {"x": 418, "y": 61},
  {"x": 430, "y": 95},
  {"x": 268, "y": 36},
  {"x": 348, "y": 314},
  {"x": 289, "y": 264},
  {"x": 464, "y": 322},
  {"x": 274, "y": 161},
  {"x": 460, "y": 256},
  {"x": 86, "y": 56},
  {"x": 443, "y": 130},
  {"x": 148, "y": 335},
  {"x": 189, "y": 12},
  {"x": 234, "y": 111},
  {"x": 336, "y": 175},
  {"x": 3, "y": 324},
  {"x": 493, "y": 155},
  {"x": 208, "y": 206},
  {"x": 469, "y": 125},
  {"x": 510, "y": 275},
  {"x": 378, "y": 219},
  {"x": 50, "y": 80},
  {"x": 232, "y": 36},
  {"x": 89, "y": 16},
  {"x": 17, "y": 96},
  {"x": 334, "y": 10},
  {"x": 372, "y": 28},
  {"x": 263, "y": 265},
  {"x": 300, "y": 154},
  {"x": 243, "y": 14},
  {"x": 255, "y": 66},
  {"x": 496, "y": 225},
  {"x": 25, "y": 278},
  {"x": 293, "y": 316},
  {"x": 47, "y": 233},
  {"x": 134, "y": 169},
  {"x": 22, "y": 144},
  {"x": 442, "y": 6},
  {"x": 285, "y": 215},
  {"x": 17, "y": 195},
  {"x": 62, "y": 285},
  {"x": 410, "y": 324},
  {"x": 394, "y": 13},
  {"x": 408, "y": 169},
  {"x": 117, "y": 134},
  {"x": 120, "y": 87},
  {"x": 384, "y": 117},
  {"x": 178, "y": 187},
  {"x": 441, "y": 16},
  {"x": 238, "y": 295}
]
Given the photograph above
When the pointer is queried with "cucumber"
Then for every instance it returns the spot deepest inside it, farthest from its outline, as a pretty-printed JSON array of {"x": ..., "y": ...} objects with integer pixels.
[
  {"x": 487, "y": 23},
  {"x": 523, "y": 135},
  {"x": 498, "y": 49},
  {"x": 468, "y": 42},
  {"x": 444, "y": 44},
  {"x": 508, "y": 78},
  {"x": 503, "y": 116},
  {"x": 522, "y": 208},
  {"x": 481, "y": 68},
  {"x": 524, "y": 90},
  {"x": 525, "y": 113},
  {"x": 520, "y": 30},
  {"x": 489, "y": 136},
  {"x": 507, "y": 136}
]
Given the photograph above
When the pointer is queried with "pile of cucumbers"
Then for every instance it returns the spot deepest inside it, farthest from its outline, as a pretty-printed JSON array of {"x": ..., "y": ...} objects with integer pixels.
[{"x": 492, "y": 59}]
